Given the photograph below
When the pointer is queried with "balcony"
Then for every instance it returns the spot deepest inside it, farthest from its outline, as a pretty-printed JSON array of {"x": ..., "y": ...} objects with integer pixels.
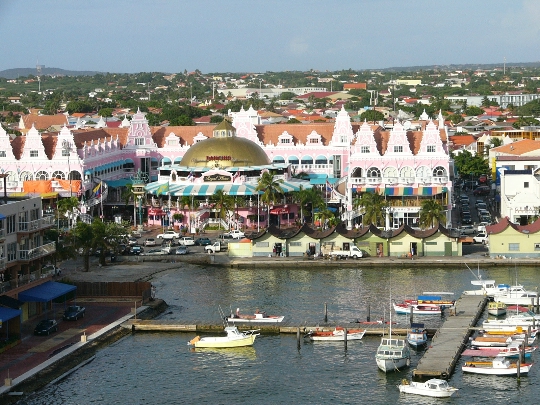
[
  {"x": 3, "y": 262},
  {"x": 38, "y": 252},
  {"x": 38, "y": 224}
]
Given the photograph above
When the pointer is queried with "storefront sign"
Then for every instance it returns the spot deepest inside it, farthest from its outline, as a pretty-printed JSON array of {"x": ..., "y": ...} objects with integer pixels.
[
  {"x": 212, "y": 158},
  {"x": 217, "y": 177}
]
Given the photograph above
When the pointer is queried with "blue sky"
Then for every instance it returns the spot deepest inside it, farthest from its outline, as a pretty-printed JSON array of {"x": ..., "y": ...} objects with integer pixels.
[{"x": 257, "y": 36}]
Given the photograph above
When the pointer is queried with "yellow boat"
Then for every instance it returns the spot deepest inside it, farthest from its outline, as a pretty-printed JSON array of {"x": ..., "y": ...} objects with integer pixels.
[{"x": 234, "y": 338}]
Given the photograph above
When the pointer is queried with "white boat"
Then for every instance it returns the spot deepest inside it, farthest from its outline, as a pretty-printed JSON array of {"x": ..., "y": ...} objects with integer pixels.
[
  {"x": 523, "y": 319},
  {"x": 257, "y": 317},
  {"x": 417, "y": 336},
  {"x": 431, "y": 388},
  {"x": 488, "y": 288},
  {"x": 234, "y": 338},
  {"x": 518, "y": 297},
  {"x": 498, "y": 366},
  {"x": 496, "y": 308},
  {"x": 336, "y": 335},
  {"x": 491, "y": 341},
  {"x": 513, "y": 350},
  {"x": 392, "y": 354},
  {"x": 405, "y": 308}
]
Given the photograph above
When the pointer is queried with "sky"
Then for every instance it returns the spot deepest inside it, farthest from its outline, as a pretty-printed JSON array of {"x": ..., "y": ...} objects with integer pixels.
[{"x": 121, "y": 36}]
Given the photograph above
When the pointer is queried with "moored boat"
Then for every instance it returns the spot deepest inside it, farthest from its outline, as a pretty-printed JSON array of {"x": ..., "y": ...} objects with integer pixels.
[
  {"x": 491, "y": 341},
  {"x": 336, "y": 335},
  {"x": 498, "y": 366},
  {"x": 234, "y": 338},
  {"x": 431, "y": 388},
  {"x": 496, "y": 308},
  {"x": 405, "y": 308},
  {"x": 511, "y": 351},
  {"x": 392, "y": 354},
  {"x": 417, "y": 335},
  {"x": 257, "y": 317}
]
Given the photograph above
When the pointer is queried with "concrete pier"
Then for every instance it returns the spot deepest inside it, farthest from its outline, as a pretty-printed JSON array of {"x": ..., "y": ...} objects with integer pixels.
[{"x": 448, "y": 343}]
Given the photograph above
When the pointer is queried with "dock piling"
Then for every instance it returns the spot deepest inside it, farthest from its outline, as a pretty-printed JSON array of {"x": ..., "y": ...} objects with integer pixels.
[
  {"x": 345, "y": 338},
  {"x": 325, "y": 312},
  {"x": 298, "y": 338}
]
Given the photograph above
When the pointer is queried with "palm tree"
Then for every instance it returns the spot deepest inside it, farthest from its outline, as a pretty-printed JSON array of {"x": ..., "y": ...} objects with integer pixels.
[
  {"x": 325, "y": 217},
  {"x": 271, "y": 188},
  {"x": 66, "y": 205},
  {"x": 374, "y": 206},
  {"x": 431, "y": 214},
  {"x": 223, "y": 203},
  {"x": 127, "y": 194}
]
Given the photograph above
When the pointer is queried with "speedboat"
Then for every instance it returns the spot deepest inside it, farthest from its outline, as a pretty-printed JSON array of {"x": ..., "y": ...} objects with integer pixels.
[
  {"x": 496, "y": 308},
  {"x": 431, "y": 388},
  {"x": 498, "y": 366},
  {"x": 336, "y": 335},
  {"x": 257, "y": 317},
  {"x": 417, "y": 336},
  {"x": 234, "y": 338}
]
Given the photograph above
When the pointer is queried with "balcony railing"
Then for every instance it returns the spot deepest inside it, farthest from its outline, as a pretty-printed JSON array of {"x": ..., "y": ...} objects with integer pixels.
[
  {"x": 3, "y": 262},
  {"x": 37, "y": 252},
  {"x": 38, "y": 224}
]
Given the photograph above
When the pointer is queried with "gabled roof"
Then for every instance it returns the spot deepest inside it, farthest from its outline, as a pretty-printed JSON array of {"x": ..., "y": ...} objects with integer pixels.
[
  {"x": 519, "y": 147},
  {"x": 505, "y": 223},
  {"x": 42, "y": 122}
]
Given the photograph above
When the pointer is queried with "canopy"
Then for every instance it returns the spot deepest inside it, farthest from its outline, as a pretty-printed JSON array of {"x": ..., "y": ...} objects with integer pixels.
[
  {"x": 279, "y": 210},
  {"x": 118, "y": 183},
  {"x": 46, "y": 292},
  {"x": 402, "y": 191},
  {"x": 210, "y": 189},
  {"x": 7, "y": 313}
]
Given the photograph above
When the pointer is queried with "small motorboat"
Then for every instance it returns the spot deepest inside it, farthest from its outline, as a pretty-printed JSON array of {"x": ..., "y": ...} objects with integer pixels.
[
  {"x": 498, "y": 366},
  {"x": 417, "y": 336},
  {"x": 491, "y": 341},
  {"x": 257, "y": 317},
  {"x": 431, "y": 388},
  {"x": 234, "y": 338},
  {"x": 496, "y": 308},
  {"x": 511, "y": 351},
  {"x": 405, "y": 308},
  {"x": 336, "y": 335}
]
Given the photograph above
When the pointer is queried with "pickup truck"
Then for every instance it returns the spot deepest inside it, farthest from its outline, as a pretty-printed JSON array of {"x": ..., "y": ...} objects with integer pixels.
[
  {"x": 168, "y": 235},
  {"x": 216, "y": 247},
  {"x": 236, "y": 234},
  {"x": 481, "y": 238},
  {"x": 353, "y": 252},
  {"x": 74, "y": 312}
]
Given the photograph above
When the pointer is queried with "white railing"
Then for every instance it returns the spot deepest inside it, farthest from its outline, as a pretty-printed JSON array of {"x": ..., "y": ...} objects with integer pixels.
[
  {"x": 37, "y": 224},
  {"x": 37, "y": 252}
]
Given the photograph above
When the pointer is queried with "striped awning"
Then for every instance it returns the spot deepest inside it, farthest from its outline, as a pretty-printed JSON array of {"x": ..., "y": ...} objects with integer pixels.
[
  {"x": 210, "y": 189},
  {"x": 403, "y": 191}
]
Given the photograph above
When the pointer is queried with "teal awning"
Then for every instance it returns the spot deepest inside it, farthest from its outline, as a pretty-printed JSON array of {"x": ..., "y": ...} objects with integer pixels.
[{"x": 118, "y": 183}]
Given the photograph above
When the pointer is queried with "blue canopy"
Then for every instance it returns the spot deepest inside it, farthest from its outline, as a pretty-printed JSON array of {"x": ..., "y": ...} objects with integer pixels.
[
  {"x": 46, "y": 292},
  {"x": 118, "y": 183},
  {"x": 8, "y": 313}
]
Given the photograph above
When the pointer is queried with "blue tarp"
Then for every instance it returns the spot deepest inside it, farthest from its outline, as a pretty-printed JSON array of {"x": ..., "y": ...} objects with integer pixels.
[
  {"x": 46, "y": 292},
  {"x": 8, "y": 313}
]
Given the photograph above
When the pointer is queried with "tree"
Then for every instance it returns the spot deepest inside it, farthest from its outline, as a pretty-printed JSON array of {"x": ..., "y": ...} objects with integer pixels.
[
  {"x": 216, "y": 119},
  {"x": 271, "y": 188},
  {"x": 67, "y": 205},
  {"x": 372, "y": 115},
  {"x": 374, "y": 206},
  {"x": 324, "y": 216},
  {"x": 293, "y": 121},
  {"x": 474, "y": 111},
  {"x": 455, "y": 118},
  {"x": 223, "y": 203},
  {"x": 467, "y": 164},
  {"x": 431, "y": 214},
  {"x": 308, "y": 198},
  {"x": 98, "y": 235}
]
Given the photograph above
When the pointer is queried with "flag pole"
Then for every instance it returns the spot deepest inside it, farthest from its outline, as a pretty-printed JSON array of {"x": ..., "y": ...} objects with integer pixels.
[{"x": 101, "y": 198}]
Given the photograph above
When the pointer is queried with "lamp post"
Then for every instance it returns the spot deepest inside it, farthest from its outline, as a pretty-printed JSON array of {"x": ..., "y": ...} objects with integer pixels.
[{"x": 66, "y": 151}]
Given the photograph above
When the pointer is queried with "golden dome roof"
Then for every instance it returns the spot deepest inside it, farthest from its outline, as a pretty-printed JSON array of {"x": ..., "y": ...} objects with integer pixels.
[{"x": 225, "y": 152}]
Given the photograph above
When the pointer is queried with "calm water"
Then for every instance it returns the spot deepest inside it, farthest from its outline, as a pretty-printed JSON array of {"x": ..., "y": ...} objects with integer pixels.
[{"x": 159, "y": 368}]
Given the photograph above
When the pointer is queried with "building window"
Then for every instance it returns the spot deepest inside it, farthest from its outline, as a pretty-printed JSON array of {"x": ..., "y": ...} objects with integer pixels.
[
  {"x": 313, "y": 140},
  {"x": 344, "y": 139},
  {"x": 373, "y": 172},
  {"x": 285, "y": 140},
  {"x": 439, "y": 171},
  {"x": 11, "y": 251},
  {"x": 431, "y": 148},
  {"x": 139, "y": 141},
  {"x": 513, "y": 247},
  {"x": 65, "y": 152},
  {"x": 2, "y": 153},
  {"x": 10, "y": 224},
  {"x": 398, "y": 148},
  {"x": 526, "y": 184},
  {"x": 295, "y": 244},
  {"x": 364, "y": 149},
  {"x": 33, "y": 153},
  {"x": 262, "y": 244}
]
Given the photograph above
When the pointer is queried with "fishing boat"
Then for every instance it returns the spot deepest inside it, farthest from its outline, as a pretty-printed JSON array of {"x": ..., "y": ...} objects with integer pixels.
[
  {"x": 234, "y": 338},
  {"x": 392, "y": 354},
  {"x": 257, "y": 317},
  {"x": 431, "y": 388},
  {"x": 417, "y": 336},
  {"x": 336, "y": 335},
  {"x": 498, "y": 366},
  {"x": 496, "y": 308},
  {"x": 405, "y": 308}
]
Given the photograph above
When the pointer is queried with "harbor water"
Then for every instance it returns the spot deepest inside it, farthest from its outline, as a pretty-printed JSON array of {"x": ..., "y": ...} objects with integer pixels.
[{"x": 160, "y": 368}]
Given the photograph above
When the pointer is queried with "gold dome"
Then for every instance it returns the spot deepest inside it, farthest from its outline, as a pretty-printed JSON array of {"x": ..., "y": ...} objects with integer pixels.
[{"x": 225, "y": 152}]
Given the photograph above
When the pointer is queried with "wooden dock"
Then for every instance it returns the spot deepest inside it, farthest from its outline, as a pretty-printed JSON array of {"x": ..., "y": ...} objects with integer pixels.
[{"x": 448, "y": 343}]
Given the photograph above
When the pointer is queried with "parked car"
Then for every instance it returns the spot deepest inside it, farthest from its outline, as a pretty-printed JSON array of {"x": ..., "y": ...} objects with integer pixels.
[
  {"x": 137, "y": 250},
  {"x": 168, "y": 235},
  {"x": 237, "y": 234},
  {"x": 133, "y": 241},
  {"x": 203, "y": 242},
  {"x": 182, "y": 250},
  {"x": 467, "y": 230},
  {"x": 482, "y": 190},
  {"x": 136, "y": 234},
  {"x": 150, "y": 242},
  {"x": 46, "y": 327},
  {"x": 186, "y": 241},
  {"x": 154, "y": 252},
  {"x": 466, "y": 220},
  {"x": 73, "y": 313},
  {"x": 481, "y": 238},
  {"x": 224, "y": 236}
]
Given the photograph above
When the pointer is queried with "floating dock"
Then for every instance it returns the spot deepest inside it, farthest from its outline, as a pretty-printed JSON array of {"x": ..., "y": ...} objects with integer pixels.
[{"x": 448, "y": 343}]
